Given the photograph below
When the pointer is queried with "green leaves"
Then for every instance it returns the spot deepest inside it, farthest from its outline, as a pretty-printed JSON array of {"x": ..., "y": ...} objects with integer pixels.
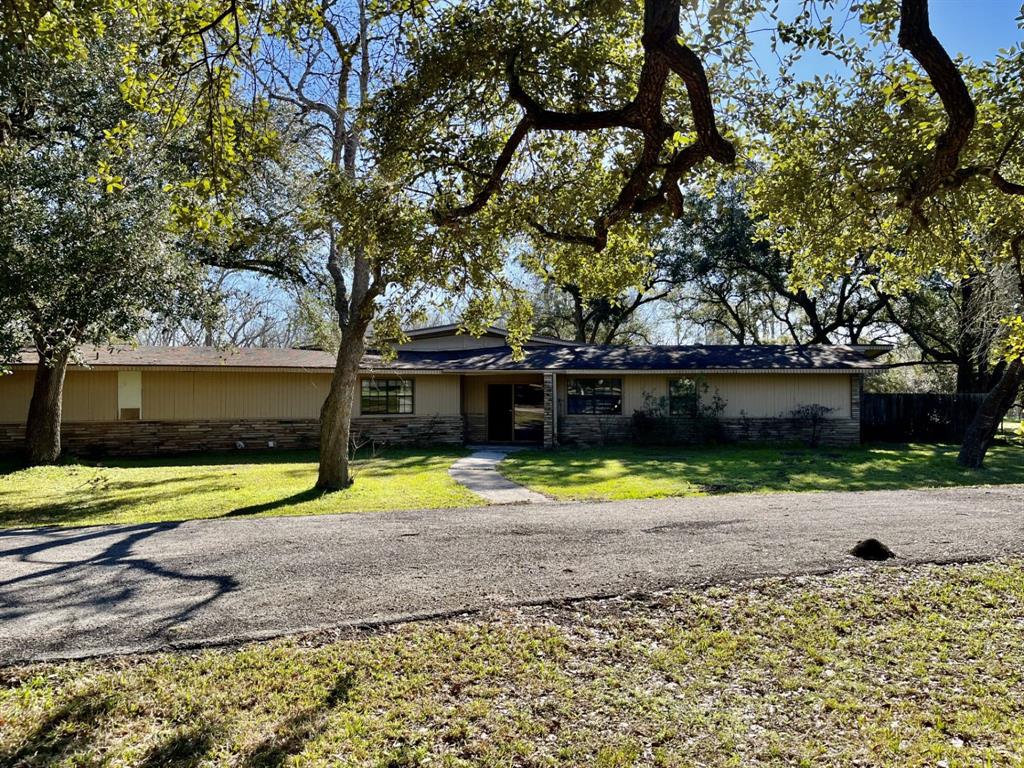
[
  {"x": 841, "y": 162},
  {"x": 84, "y": 248}
]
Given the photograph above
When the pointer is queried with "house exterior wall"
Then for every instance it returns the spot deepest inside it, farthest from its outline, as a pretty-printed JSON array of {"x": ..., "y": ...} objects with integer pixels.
[
  {"x": 434, "y": 395},
  {"x": 754, "y": 395},
  {"x": 757, "y": 407},
  {"x": 152, "y": 438},
  {"x": 772, "y": 395},
  {"x": 187, "y": 410},
  {"x": 232, "y": 395},
  {"x": 219, "y": 410},
  {"x": 15, "y": 393},
  {"x": 88, "y": 396}
]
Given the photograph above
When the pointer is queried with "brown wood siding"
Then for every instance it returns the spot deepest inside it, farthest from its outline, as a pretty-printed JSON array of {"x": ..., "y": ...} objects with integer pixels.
[
  {"x": 15, "y": 394},
  {"x": 766, "y": 395},
  {"x": 90, "y": 396}
]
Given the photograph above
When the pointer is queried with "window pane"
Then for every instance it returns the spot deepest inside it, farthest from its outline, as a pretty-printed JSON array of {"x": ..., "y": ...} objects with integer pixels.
[
  {"x": 597, "y": 396},
  {"x": 577, "y": 404},
  {"x": 404, "y": 391},
  {"x": 682, "y": 387},
  {"x": 579, "y": 387},
  {"x": 683, "y": 397},
  {"x": 372, "y": 405},
  {"x": 576, "y": 401},
  {"x": 386, "y": 396}
]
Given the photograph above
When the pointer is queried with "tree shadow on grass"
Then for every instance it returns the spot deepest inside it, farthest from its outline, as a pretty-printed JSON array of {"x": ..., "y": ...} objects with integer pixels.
[
  {"x": 93, "y": 500},
  {"x": 724, "y": 469},
  {"x": 69, "y": 728},
  {"x": 185, "y": 747},
  {"x": 310, "y": 494},
  {"x": 102, "y": 497},
  {"x": 74, "y": 728},
  {"x": 76, "y": 731},
  {"x": 289, "y": 737}
]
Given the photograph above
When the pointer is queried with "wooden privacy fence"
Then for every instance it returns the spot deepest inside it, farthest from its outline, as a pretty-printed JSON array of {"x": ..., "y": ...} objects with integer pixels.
[{"x": 913, "y": 417}]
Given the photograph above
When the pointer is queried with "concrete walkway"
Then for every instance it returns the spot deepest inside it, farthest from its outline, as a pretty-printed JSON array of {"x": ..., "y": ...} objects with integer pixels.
[
  {"x": 479, "y": 473},
  {"x": 108, "y": 589}
]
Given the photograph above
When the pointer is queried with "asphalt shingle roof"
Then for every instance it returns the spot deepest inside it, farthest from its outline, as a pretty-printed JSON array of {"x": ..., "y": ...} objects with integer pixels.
[
  {"x": 647, "y": 358},
  {"x": 551, "y": 358},
  {"x": 199, "y": 357}
]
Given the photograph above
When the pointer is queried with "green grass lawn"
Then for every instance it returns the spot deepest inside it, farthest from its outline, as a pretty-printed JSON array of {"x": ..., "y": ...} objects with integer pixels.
[
  {"x": 901, "y": 667},
  {"x": 242, "y": 485},
  {"x": 1012, "y": 427},
  {"x": 616, "y": 472}
]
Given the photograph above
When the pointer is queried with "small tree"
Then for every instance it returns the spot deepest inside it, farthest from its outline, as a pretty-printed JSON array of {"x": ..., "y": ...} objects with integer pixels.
[{"x": 812, "y": 420}]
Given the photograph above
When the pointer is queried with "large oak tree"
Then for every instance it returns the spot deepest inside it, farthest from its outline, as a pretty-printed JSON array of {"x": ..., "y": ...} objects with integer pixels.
[
  {"x": 82, "y": 259},
  {"x": 909, "y": 158}
]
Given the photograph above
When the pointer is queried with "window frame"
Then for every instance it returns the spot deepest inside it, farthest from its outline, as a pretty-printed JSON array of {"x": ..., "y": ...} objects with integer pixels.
[
  {"x": 590, "y": 397},
  {"x": 692, "y": 409},
  {"x": 382, "y": 391}
]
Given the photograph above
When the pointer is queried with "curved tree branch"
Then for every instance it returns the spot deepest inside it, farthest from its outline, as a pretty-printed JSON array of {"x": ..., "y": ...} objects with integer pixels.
[
  {"x": 664, "y": 55},
  {"x": 493, "y": 183},
  {"x": 915, "y": 37}
]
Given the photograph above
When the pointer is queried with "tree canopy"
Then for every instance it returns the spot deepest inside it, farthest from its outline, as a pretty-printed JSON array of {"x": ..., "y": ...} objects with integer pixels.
[
  {"x": 444, "y": 141},
  {"x": 82, "y": 259}
]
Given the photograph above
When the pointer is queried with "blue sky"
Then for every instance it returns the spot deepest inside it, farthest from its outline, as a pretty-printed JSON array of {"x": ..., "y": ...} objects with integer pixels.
[{"x": 978, "y": 28}]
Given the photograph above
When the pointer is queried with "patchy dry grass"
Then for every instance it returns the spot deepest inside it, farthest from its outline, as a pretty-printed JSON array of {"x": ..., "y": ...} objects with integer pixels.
[
  {"x": 623, "y": 472},
  {"x": 888, "y": 666},
  {"x": 224, "y": 485}
]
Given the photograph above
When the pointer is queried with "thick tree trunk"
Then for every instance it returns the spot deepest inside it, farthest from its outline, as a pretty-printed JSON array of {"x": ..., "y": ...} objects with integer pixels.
[
  {"x": 336, "y": 414},
  {"x": 982, "y": 430},
  {"x": 42, "y": 429}
]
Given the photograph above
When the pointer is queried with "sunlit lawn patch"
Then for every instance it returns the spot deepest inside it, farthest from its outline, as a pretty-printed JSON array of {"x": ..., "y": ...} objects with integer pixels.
[
  {"x": 619, "y": 472},
  {"x": 242, "y": 485}
]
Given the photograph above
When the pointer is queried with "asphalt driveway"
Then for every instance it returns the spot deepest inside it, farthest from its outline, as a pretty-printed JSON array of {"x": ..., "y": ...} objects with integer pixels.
[{"x": 113, "y": 589}]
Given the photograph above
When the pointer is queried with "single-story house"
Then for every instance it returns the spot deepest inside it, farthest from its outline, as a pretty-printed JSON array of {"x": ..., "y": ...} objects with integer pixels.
[{"x": 443, "y": 387}]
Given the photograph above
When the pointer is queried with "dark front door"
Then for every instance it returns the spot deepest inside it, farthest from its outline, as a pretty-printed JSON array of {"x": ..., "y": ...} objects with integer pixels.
[
  {"x": 529, "y": 408},
  {"x": 500, "y": 413}
]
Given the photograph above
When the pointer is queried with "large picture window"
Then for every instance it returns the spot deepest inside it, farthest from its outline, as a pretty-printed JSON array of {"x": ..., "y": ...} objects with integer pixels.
[
  {"x": 386, "y": 396},
  {"x": 682, "y": 397},
  {"x": 599, "y": 396}
]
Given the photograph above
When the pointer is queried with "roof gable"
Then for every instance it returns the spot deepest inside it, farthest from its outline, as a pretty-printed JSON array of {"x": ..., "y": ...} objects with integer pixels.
[{"x": 452, "y": 336}]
